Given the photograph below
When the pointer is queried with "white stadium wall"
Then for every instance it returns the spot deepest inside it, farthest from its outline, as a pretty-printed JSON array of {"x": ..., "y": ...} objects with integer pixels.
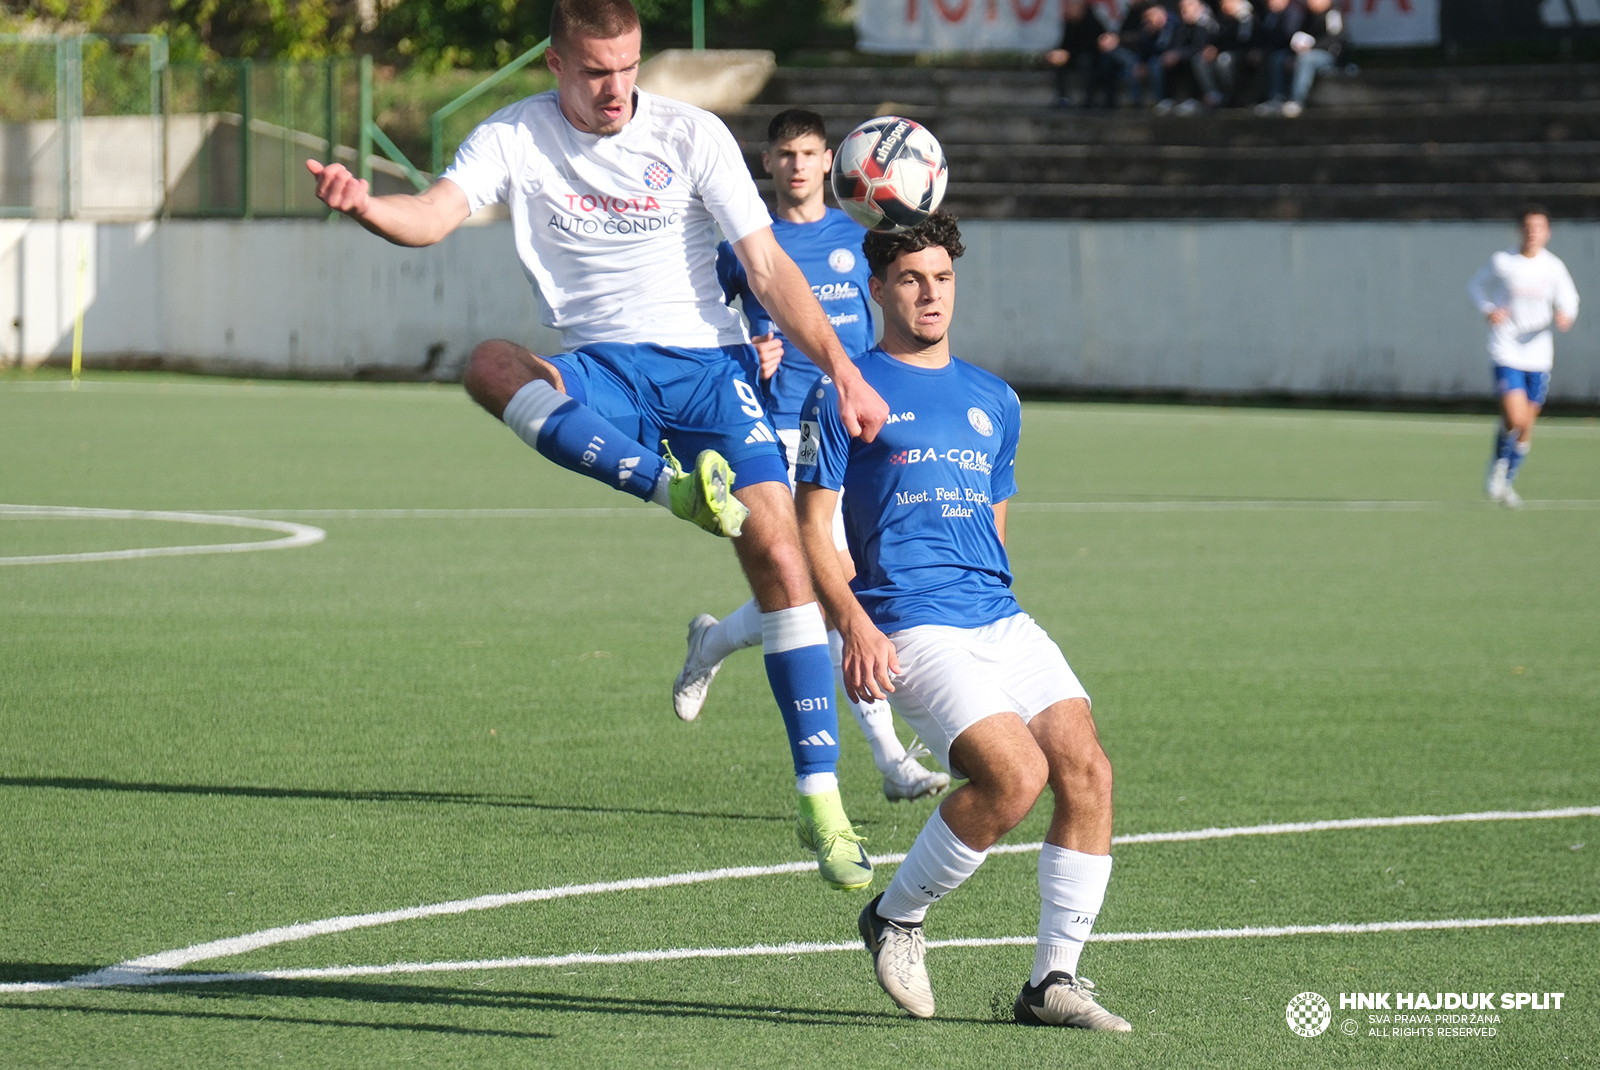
[{"x": 1357, "y": 310}]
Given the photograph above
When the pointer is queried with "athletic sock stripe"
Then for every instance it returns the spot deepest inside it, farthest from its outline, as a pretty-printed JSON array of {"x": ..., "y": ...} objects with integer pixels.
[{"x": 790, "y": 629}]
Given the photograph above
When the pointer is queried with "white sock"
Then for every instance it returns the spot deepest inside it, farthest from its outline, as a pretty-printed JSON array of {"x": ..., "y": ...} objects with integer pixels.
[
  {"x": 1072, "y": 885},
  {"x": 737, "y": 631},
  {"x": 662, "y": 495},
  {"x": 934, "y": 867},
  {"x": 874, "y": 718},
  {"x": 816, "y": 783}
]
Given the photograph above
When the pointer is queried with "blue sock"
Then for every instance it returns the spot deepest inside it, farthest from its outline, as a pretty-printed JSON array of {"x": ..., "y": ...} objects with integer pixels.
[
  {"x": 580, "y": 440},
  {"x": 1519, "y": 453},
  {"x": 795, "y": 642},
  {"x": 1505, "y": 444}
]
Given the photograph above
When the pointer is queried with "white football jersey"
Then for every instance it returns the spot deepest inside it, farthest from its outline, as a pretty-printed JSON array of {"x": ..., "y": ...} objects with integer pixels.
[
  {"x": 1531, "y": 289},
  {"x": 619, "y": 233}
]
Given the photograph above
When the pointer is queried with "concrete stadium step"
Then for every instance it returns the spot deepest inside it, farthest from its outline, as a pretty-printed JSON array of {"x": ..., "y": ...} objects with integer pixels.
[
  {"x": 1442, "y": 200},
  {"x": 1440, "y": 143},
  {"x": 1172, "y": 165}
]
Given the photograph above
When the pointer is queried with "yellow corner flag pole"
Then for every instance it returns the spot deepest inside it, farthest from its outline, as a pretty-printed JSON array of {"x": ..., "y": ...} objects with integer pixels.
[{"x": 77, "y": 322}]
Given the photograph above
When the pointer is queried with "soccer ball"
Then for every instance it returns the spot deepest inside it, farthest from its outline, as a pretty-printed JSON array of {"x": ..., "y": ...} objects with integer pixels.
[{"x": 889, "y": 174}]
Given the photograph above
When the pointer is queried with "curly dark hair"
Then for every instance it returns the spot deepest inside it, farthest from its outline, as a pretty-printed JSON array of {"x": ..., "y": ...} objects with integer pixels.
[{"x": 938, "y": 229}]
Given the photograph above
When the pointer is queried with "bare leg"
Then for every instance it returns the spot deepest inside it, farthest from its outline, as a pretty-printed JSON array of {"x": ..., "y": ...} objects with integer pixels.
[
  {"x": 1518, "y": 414},
  {"x": 1006, "y": 773},
  {"x": 769, "y": 548},
  {"x": 498, "y": 369},
  {"x": 1080, "y": 777}
]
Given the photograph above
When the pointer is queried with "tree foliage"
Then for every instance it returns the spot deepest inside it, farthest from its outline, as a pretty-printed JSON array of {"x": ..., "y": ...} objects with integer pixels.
[{"x": 432, "y": 34}]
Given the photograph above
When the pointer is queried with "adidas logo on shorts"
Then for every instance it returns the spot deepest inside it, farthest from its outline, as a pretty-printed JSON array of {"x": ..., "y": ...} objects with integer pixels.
[{"x": 760, "y": 433}]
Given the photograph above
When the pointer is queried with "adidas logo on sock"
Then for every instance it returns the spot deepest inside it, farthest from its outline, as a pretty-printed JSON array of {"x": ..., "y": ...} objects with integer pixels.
[
  {"x": 760, "y": 433},
  {"x": 819, "y": 739},
  {"x": 625, "y": 469}
]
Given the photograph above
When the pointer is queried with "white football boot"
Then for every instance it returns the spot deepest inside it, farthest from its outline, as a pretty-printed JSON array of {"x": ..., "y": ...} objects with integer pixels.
[
  {"x": 1496, "y": 484},
  {"x": 910, "y": 779},
  {"x": 690, "y": 688},
  {"x": 1064, "y": 1000},
  {"x": 899, "y": 958}
]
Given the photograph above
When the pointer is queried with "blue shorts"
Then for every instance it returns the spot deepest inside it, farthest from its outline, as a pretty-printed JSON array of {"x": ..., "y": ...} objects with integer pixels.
[
  {"x": 1534, "y": 384},
  {"x": 695, "y": 399}
]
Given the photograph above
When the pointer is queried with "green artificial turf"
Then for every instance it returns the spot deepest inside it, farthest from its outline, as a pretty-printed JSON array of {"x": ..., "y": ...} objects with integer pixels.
[{"x": 429, "y": 708}]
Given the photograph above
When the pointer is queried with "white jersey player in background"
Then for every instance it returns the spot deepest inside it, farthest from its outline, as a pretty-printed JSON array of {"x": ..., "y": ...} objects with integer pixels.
[
  {"x": 1523, "y": 292},
  {"x": 826, "y": 245},
  {"x": 615, "y": 199}
]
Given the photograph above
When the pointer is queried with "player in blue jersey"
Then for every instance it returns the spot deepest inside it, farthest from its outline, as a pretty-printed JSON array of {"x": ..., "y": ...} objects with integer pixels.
[
  {"x": 826, "y": 245},
  {"x": 615, "y": 198},
  {"x": 930, "y": 619}
]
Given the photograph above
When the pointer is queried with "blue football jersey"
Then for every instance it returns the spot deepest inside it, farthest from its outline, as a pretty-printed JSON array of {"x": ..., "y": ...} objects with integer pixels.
[
  {"x": 918, "y": 502},
  {"x": 828, "y": 252}
]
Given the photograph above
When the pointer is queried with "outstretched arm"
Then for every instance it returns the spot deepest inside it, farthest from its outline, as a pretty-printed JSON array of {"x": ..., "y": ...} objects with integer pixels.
[
  {"x": 404, "y": 219},
  {"x": 869, "y": 656},
  {"x": 786, "y": 295}
]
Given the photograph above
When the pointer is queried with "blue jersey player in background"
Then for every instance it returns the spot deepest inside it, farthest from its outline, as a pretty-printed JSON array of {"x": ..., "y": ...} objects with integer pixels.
[
  {"x": 930, "y": 618},
  {"x": 826, "y": 245}
]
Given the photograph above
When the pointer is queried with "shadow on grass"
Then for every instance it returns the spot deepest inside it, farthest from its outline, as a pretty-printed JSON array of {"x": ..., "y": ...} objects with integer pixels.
[
  {"x": 13, "y": 972},
  {"x": 474, "y": 998},
  {"x": 450, "y": 798},
  {"x": 156, "y": 1012}
]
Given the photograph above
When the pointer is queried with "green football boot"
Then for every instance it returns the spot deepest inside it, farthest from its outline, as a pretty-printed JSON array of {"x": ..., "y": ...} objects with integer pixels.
[
  {"x": 825, "y": 830},
  {"x": 704, "y": 496}
]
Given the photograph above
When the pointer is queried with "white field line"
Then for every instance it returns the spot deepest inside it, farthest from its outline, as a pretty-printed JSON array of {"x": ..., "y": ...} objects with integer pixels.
[
  {"x": 125, "y": 976},
  {"x": 295, "y": 535},
  {"x": 1573, "y": 427},
  {"x": 1191, "y": 506},
  {"x": 238, "y": 945}
]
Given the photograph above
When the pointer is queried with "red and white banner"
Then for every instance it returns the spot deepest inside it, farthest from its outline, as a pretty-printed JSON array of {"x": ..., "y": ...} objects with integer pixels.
[
  {"x": 958, "y": 25},
  {"x": 1392, "y": 23}
]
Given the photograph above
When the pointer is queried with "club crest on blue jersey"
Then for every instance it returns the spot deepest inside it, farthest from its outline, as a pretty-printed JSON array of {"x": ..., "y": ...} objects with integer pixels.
[
  {"x": 842, "y": 260},
  {"x": 658, "y": 176},
  {"x": 980, "y": 421}
]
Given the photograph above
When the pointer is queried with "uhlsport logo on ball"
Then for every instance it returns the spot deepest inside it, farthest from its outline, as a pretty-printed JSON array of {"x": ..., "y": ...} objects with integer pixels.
[
  {"x": 1308, "y": 1014},
  {"x": 889, "y": 174}
]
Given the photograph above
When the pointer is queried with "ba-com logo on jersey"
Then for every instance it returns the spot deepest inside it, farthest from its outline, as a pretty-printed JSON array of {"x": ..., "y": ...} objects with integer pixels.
[
  {"x": 842, "y": 260},
  {"x": 980, "y": 422},
  {"x": 658, "y": 176},
  {"x": 966, "y": 460}
]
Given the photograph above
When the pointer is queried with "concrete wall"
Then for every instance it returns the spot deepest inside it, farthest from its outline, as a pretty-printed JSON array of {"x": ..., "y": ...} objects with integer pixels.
[{"x": 1368, "y": 310}]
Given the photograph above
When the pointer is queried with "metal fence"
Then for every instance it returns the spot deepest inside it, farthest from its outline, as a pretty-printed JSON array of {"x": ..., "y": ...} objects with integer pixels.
[
  {"x": 80, "y": 125},
  {"x": 100, "y": 127}
]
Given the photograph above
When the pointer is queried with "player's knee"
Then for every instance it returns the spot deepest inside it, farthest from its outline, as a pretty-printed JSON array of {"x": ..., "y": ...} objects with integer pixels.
[{"x": 1021, "y": 788}]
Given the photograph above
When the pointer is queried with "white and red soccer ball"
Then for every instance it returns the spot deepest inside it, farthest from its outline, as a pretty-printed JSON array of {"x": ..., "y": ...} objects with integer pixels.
[{"x": 889, "y": 174}]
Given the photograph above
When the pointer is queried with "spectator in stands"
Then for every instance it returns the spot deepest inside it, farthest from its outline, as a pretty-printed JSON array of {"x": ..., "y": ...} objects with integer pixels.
[
  {"x": 1084, "y": 55},
  {"x": 1318, "y": 46},
  {"x": 1141, "y": 53},
  {"x": 1224, "y": 68},
  {"x": 1186, "y": 87},
  {"x": 1271, "y": 53}
]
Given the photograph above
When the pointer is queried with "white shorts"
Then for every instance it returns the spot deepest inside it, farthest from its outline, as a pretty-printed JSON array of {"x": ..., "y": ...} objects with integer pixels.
[
  {"x": 952, "y": 678},
  {"x": 790, "y": 437}
]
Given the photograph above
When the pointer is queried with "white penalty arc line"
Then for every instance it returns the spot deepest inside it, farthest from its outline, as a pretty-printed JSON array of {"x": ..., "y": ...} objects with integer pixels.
[
  {"x": 238, "y": 945},
  {"x": 295, "y": 535},
  {"x": 126, "y": 976}
]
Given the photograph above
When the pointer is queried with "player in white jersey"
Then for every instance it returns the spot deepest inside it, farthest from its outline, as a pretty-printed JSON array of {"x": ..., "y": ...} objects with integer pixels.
[
  {"x": 1523, "y": 292},
  {"x": 615, "y": 198},
  {"x": 826, "y": 245},
  {"x": 930, "y": 619}
]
